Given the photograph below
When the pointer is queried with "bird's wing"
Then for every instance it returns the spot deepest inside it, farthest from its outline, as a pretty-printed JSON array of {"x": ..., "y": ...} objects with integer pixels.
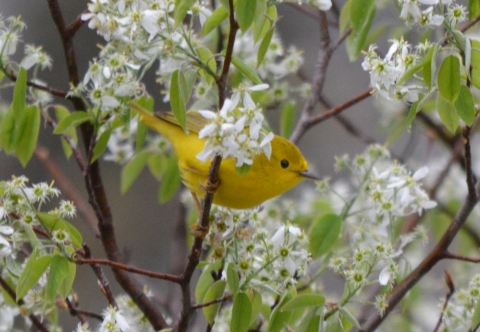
[{"x": 195, "y": 121}]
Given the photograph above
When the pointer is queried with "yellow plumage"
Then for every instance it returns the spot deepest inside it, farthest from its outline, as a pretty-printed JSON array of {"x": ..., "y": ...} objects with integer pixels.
[{"x": 266, "y": 178}]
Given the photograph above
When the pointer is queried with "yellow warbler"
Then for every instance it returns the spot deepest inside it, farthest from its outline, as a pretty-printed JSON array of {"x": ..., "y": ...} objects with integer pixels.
[{"x": 267, "y": 178}]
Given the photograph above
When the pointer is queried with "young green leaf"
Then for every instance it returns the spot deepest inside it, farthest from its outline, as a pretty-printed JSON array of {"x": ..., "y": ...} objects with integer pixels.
[
  {"x": 449, "y": 78},
  {"x": 324, "y": 233},
  {"x": 245, "y": 13},
  {"x": 232, "y": 278},
  {"x": 287, "y": 119},
  {"x": 171, "y": 180},
  {"x": 61, "y": 113},
  {"x": 362, "y": 13},
  {"x": 278, "y": 318},
  {"x": 101, "y": 144},
  {"x": 157, "y": 164},
  {"x": 245, "y": 69},
  {"x": 476, "y": 317},
  {"x": 447, "y": 113},
  {"x": 427, "y": 68},
  {"x": 73, "y": 120},
  {"x": 207, "y": 57},
  {"x": 20, "y": 95},
  {"x": 32, "y": 272},
  {"x": 473, "y": 9},
  {"x": 177, "y": 99},
  {"x": 218, "y": 16},
  {"x": 52, "y": 223},
  {"x": 205, "y": 281},
  {"x": 133, "y": 169},
  {"x": 241, "y": 313},
  {"x": 256, "y": 301},
  {"x": 304, "y": 301},
  {"x": 7, "y": 131},
  {"x": 264, "y": 46},
  {"x": 345, "y": 21},
  {"x": 67, "y": 283},
  {"x": 265, "y": 18},
  {"x": 147, "y": 103},
  {"x": 465, "y": 105},
  {"x": 29, "y": 137},
  {"x": 181, "y": 8},
  {"x": 475, "y": 63},
  {"x": 213, "y": 293},
  {"x": 58, "y": 272}
]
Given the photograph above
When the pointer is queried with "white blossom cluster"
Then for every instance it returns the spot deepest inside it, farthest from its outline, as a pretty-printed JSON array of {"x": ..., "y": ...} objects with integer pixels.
[
  {"x": 269, "y": 257},
  {"x": 458, "y": 314},
  {"x": 34, "y": 58},
  {"x": 431, "y": 13},
  {"x": 227, "y": 134},
  {"x": 19, "y": 204},
  {"x": 386, "y": 192},
  {"x": 386, "y": 72}
]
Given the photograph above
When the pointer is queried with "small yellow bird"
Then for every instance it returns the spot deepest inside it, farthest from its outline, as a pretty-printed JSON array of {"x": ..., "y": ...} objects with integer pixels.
[{"x": 267, "y": 178}]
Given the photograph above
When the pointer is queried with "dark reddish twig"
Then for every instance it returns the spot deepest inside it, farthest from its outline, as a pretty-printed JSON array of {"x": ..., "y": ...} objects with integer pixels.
[
  {"x": 157, "y": 275},
  {"x": 209, "y": 303},
  {"x": 74, "y": 312}
]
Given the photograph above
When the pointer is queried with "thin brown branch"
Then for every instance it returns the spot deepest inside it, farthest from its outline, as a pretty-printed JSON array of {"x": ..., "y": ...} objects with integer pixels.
[
  {"x": 77, "y": 23},
  {"x": 74, "y": 312},
  {"x": 34, "y": 319},
  {"x": 62, "y": 94},
  {"x": 451, "y": 290},
  {"x": 94, "y": 184},
  {"x": 209, "y": 303},
  {"x": 449, "y": 255},
  {"x": 69, "y": 190},
  {"x": 157, "y": 275},
  {"x": 101, "y": 277},
  {"x": 323, "y": 59},
  {"x": 438, "y": 253}
]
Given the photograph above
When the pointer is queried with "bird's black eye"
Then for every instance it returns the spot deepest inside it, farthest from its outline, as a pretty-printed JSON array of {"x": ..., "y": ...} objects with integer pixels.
[{"x": 284, "y": 163}]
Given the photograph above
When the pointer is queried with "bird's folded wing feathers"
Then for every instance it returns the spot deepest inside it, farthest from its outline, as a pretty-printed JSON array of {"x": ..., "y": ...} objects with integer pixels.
[{"x": 195, "y": 121}]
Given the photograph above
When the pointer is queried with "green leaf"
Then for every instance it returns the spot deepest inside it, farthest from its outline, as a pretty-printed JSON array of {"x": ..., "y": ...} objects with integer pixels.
[
  {"x": 67, "y": 283},
  {"x": 32, "y": 272},
  {"x": 177, "y": 99},
  {"x": 58, "y": 272},
  {"x": 171, "y": 180},
  {"x": 473, "y": 9},
  {"x": 157, "y": 164},
  {"x": 241, "y": 313},
  {"x": 73, "y": 120},
  {"x": 205, "y": 281},
  {"x": 324, "y": 233},
  {"x": 208, "y": 59},
  {"x": 61, "y": 113},
  {"x": 52, "y": 223},
  {"x": 214, "y": 292},
  {"x": 264, "y": 46},
  {"x": 232, "y": 278},
  {"x": 181, "y": 8},
  {"x": 427, "y": 68},
  {"x": 345, "y": 16},
  {"x": 245, "y": 70},
  {"x": 287, "y": 119},
  {"x": 449, "y": 78},
  {"x": 29, "y": 137},
  {"x": 15, "y": 120},
  {"x": 264, "y": 20},
  {"x": 411, "y": 71},
  {"x": 142, "y": 128},
  {"x": 465, "y": 105},
  {"x": 314, "y": 324},
  {"x": 243, "y": 170},
  {"x": 476, "y": 317},
  {"x": 348, "y": 315},
  {"x": 218, "y": 16},
  {"x": 304, "y": 301},
  {"x": 133, "y": 169},
  {"x": 101, "y": 144},
  {"x": 256, "y": 301},
  {"x": 245, "y": 13},
  {"x": 278, "y": 318},
  {"x": 362, "y": 13},
  {"x": 475, "y": 63},
  {"x": 447, "y": 113}
]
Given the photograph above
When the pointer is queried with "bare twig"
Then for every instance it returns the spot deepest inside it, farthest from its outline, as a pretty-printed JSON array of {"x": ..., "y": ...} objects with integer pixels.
[
  {"x": 209, "y": 303},
  {"x": 93, "y": 182},
  {"x": 148, "y": 273},
  {"x": 451, "y": 290}
]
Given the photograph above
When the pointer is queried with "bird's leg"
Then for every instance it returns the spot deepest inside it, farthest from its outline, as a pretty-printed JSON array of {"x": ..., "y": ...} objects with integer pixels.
[{"x": 196, "y": 229}]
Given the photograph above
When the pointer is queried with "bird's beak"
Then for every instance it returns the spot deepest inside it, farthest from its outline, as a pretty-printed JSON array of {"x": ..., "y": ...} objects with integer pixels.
[{"x": 309, "y": 175}]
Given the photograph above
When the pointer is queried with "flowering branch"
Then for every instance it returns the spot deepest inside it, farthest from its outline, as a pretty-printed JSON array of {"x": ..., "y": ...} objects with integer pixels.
[
  {"x": 34, "y": 319},
  {"x": 437, "y": 254}
]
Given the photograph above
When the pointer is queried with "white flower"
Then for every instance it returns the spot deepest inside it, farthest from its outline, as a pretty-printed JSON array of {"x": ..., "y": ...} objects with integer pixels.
[{"x": 321, "y": 4}]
